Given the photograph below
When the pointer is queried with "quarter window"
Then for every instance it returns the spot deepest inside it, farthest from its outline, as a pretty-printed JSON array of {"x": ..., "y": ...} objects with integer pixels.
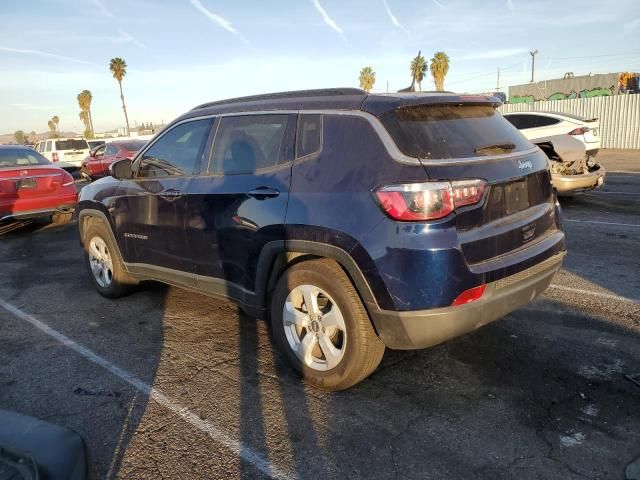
[
  {"x": 309, "y": 135},
  {"x": 177, "y": 152},
  {"x": 244, "y": 144},
  {"x": 111, "y": 149}
]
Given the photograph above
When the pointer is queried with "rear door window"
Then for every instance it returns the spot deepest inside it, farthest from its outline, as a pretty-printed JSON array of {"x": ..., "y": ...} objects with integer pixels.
[
  {"x": 177, "y": 152},
  {"x": 48, "y": 149},
  {"x": 249, "y": 143},
  {"x": 71, "y": 145},
  {"x": 111, "y": 149},
  {"x": 453, "y": 131}
]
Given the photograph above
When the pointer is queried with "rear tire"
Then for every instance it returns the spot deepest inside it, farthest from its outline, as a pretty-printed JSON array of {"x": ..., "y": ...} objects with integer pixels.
[
  {"x": 61, "y": 218},
  {"x": 335, "y": 346},
  {"x": 106, "y": 270}
]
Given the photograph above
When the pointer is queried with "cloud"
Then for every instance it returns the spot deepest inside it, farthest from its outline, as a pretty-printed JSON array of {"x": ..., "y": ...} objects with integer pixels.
[
  {"x": 101, "y": 8},
  {"x": 503, "y": 53},
  {"x": 510, "y": 5},
  {"x": 393, "y": 18},
  {"x": 327, "y": 19},
  {"x": 221, "y": 22},
  {"x": 632, "y": 25},
  {"x": 42, "y": 54},
  {"x": 126, "y": 38},
  {"x": 439, "y": 4}
]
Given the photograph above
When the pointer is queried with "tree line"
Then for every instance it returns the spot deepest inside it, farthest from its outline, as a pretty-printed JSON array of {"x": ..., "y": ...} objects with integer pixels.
[{"x": 438, "y": 65}]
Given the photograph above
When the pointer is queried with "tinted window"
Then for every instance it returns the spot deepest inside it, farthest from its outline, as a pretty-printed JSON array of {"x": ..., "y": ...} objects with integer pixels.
[
  {"x": 541, "y": 121},
  {"x": 452, "y": 131},
  {"x": 309, "y": 135},
  {"x": 518, "y": 121},
  {"x": 531, "y": 121},
  {"x": 48, "y": 146},
  {"x": 178, "y": 152},
  {"x": 72, "y": 145},
  {"x": 248, "y": 143},
  {"x": 40, "y": 147},
  {"x": 98, "y": 151},
  {"x": 133, "y": 146},
  {"x": 21, "y": 157},
  {"x": 111, "y": 149}
]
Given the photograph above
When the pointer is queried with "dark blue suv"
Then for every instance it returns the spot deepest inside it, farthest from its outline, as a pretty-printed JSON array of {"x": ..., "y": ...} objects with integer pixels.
[{"x": 353, "y": 221}]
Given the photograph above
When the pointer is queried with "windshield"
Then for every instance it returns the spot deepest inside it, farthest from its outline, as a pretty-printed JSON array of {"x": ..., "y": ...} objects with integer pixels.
[
  {"x": 71, "y": 145},
  {"x": 20, "y": 157},
  {"x": 452, "y": 131},
  {"x": 133, "y": 146}
]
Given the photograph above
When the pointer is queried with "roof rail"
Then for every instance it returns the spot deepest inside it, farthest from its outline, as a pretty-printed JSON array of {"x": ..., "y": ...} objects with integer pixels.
[{"x": 325, "y": 92}]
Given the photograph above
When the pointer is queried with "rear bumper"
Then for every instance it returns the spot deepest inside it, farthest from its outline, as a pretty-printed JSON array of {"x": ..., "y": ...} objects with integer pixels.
[
  {"x": 576, "y": 183},
  {"x": 410, "y": 330},
  {"x": 45, "y": 212}
]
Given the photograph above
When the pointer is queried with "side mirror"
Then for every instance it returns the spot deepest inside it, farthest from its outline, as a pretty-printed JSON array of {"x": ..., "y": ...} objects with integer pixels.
[
  {"x": 121, "y": 170},
  {"x": 92, "y": 153}
]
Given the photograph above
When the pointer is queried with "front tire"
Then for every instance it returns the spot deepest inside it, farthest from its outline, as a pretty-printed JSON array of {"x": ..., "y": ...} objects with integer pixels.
[
  {"x": 322, "y": 327},
  {"x": 106, "y": 271}
]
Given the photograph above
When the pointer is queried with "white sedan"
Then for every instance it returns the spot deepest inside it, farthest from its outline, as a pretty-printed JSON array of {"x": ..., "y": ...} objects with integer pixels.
[{"x": 535, "y": 125}]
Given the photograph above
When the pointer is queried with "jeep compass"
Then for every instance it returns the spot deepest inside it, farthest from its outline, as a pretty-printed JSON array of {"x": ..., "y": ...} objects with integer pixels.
[{"x": 355, "y": 222}]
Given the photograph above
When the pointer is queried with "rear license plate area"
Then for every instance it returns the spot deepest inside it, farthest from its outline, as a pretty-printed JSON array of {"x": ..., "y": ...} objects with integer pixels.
[
  {"x": 516, "y": 196},
  {"x": 26, "y": 184}
]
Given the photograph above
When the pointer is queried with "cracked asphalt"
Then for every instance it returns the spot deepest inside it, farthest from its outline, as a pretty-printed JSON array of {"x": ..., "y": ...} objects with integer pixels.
[{"x": 540, "y": 394}]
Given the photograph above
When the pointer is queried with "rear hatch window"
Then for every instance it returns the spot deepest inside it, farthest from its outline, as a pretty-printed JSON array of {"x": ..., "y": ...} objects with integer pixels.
[
  {"x": 72, "y": 145},
  {"x": 453, "y": 131}
]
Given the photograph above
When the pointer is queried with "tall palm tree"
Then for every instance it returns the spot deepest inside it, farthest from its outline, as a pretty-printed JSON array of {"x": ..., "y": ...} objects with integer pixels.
[
  {"x": 52, "y": 129},
  {"x": 33, "y": 136},
  {"x": 56, "y": 121},
  {"x": 439, "y": 69},
  {"x": 118, "y": 69},
  {"x": 367, "y": 78},
  {"x": 418, "y": 68},
  {"x": 84, "y": 101}
]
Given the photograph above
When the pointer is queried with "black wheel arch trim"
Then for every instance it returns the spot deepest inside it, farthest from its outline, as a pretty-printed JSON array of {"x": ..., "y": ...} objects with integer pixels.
[{"x": 97, "y": 213}]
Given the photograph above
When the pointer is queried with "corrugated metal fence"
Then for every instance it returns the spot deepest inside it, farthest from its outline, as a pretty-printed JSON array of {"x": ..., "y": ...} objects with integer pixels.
[{"x": 619, "y": 116}]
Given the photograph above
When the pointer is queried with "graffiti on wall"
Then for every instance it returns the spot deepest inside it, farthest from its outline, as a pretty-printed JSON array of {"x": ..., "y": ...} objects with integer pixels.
[{"x": 626, "y": 83}]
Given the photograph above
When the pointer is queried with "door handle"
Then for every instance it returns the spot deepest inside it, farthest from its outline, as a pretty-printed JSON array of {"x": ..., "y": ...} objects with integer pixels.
[
  {"x": 170, "y": 195},
  {"x": 261, "y": 193}
]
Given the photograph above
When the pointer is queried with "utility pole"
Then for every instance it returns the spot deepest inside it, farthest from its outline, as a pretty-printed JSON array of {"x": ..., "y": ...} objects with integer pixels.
[
  {"x": 498, "y": 81},
  {"x": 533, "y": 63}
]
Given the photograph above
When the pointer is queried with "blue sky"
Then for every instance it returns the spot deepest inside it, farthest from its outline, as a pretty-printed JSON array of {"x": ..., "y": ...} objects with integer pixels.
[{"x": 184, "y": 52}]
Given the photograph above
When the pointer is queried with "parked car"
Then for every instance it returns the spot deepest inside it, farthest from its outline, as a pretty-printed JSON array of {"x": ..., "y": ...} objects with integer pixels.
[
  {"x": 95, "y": 143},
  {"x": 30, "y": 186},
  {"x": 68, "y": 153},
  {"x": 97, "y": 163},
  {"x": 354, "y": 221},
  {"x": 546, "y": 124},
  {"x": 571, "y": 153}
]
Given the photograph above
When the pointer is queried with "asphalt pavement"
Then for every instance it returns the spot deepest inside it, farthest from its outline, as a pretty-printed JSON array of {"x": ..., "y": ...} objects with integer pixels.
[{"x": 167, "y": 383}]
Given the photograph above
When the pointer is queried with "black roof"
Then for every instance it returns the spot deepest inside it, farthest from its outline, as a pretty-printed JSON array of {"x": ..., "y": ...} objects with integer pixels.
[{"x": 334, "y": 99}]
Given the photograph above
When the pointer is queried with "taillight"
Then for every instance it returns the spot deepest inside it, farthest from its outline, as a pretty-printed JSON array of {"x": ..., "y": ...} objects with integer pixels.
[
  {"x": 413, "y": 202},
  {"x": 67, "y": 179},
  {"x": 579, "y": 131},
  {"x": 54, "y": 157},
  {"x": 469, "y": 295}
]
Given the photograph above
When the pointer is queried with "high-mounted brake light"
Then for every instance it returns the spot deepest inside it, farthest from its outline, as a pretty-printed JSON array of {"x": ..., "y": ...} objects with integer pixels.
[
  {"x": 414, "y": 202},
  {"x": 579, "y": 131},
  {"x": 54, "y": 156},
  {"x": 469, "y": 295}
]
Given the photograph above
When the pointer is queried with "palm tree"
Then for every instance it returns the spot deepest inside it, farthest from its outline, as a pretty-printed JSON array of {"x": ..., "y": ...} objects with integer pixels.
[
  {"x": 84, "y": 116},
  {"x": 118, "y": 69},
  {"x": 439, "y": 69},
  {"x": 84, "y": 101},
  {"x": 418, "y": 68},
  {"x": 52, "y": 129},
  {"x": 56, "y": 121},
  {"x": 367, "y": 79},
  {"x": 33, "y": 136}
]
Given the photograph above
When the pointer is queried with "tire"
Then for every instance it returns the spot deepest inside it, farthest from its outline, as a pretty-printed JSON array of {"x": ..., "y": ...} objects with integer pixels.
[
  {"x": 357, "y": 350},
  {"x": 61, "y": 218},
  {"x": 110, "y": 279}
]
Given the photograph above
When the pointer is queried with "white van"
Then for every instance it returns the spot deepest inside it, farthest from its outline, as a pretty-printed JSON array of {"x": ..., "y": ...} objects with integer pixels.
[{"x": 66, "y": 152}]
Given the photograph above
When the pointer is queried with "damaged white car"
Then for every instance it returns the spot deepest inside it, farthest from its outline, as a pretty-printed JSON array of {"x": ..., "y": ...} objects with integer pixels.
[{"x": 572, "y": 170}]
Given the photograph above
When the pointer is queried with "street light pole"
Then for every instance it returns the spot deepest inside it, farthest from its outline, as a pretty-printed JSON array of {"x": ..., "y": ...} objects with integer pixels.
[{"x": 533, "y": 63}]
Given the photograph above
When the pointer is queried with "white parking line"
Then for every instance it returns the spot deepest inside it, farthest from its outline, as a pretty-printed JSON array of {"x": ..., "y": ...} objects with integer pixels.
[
  {"x": 236, "y": 447},
  {"x": 593, "y": 293},
  {"x": 595, "y": 222}
]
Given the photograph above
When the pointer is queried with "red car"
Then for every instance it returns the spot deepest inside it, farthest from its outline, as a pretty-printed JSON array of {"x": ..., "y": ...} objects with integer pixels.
[
  {"x": 97, "y": 163},
  {"x": 31, "y": 186}
]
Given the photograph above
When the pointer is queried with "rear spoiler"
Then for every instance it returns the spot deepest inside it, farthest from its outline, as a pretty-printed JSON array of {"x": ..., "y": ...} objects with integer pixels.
[{"x": 381, "y": 104}]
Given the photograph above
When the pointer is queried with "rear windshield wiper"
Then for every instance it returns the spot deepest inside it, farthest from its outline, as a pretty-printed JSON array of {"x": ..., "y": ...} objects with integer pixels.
[{"x": 495, "y": 148}]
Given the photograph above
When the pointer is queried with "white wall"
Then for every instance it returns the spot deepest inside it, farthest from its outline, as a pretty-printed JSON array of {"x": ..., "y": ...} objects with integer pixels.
[{"x": 619, "y": 116}]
